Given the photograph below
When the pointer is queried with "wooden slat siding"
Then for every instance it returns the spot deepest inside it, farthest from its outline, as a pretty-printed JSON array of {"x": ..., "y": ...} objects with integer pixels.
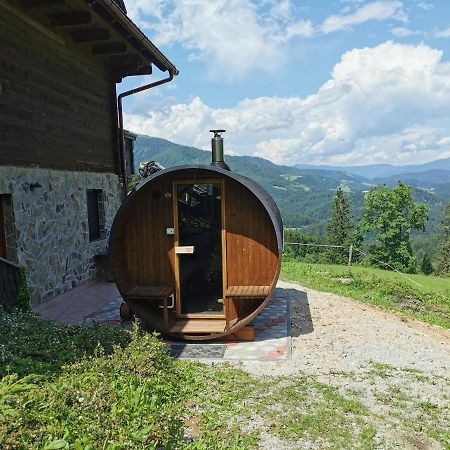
[
  {"x": 57, "y": 106},
  {"x": 133, "y": 261},
  {"x": 231, "y": 240},
  {"x": 169, "y": 250},
  {"x": 155, "y": 243},
  {"x": 56, "y": 62},
  {"x": 152, "y": 246},
  {"x": 151, "y": 259},
  {"x": 141, "y": 243},
  {"x": 149, "y": 268},
  {"x": 247, "y": 217},
  {"x": 9, "y": 279},
  {"x": 128, "y": 239},
  {"x": 259, "y": 264},
  {"x": 247, "y": 269}
]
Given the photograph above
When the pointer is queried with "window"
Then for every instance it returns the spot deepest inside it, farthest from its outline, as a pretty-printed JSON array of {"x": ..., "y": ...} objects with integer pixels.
[
  {"x": 129, "y": 139},
  {"x": 2, "y": 230},
  {"x": 96, "y": 214},
  {"x": 8, "y": 248},
  {"x": 129, "y": 158}
]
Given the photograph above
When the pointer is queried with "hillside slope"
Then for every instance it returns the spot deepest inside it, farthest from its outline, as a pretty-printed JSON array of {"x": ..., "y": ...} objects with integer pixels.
[{"x": 303, "y": 195}]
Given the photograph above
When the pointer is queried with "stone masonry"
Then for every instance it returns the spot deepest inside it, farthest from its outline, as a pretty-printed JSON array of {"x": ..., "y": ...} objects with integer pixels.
[{"x": 51, "y": 224}]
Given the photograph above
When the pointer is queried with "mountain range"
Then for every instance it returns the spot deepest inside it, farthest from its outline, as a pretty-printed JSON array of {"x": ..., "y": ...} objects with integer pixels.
[
  {"x": 440, "y": 167},
  {"x": 304, "y": 193}
]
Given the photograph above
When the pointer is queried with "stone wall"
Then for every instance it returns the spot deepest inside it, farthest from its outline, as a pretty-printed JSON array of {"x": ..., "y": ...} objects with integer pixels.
[{"x": 51, "y": 224}]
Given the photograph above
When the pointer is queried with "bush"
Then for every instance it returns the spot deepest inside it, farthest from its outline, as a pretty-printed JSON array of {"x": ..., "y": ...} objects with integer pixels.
[{"x": 426, "y": 267}]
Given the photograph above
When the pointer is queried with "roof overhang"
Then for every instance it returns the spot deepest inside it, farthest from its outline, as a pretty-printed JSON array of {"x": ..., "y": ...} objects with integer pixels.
[{"x": 102, "y": 29}]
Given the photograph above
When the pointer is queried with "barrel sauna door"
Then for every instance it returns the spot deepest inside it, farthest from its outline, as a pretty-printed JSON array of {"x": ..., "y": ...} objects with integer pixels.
[{"x": 199, "y": 248}]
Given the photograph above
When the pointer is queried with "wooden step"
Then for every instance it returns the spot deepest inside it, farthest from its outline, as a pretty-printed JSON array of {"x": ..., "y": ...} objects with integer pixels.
[{"x": 198, "y": 326}]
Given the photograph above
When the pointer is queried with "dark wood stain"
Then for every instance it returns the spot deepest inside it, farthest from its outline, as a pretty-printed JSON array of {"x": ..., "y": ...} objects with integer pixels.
[
  {"x": 57, "y": 105},
  {"x": 143, "y": 255}
]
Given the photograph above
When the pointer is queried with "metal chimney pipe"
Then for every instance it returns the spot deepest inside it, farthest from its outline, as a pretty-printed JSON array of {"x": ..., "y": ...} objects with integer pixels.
[{"x": 217, "y": 150}]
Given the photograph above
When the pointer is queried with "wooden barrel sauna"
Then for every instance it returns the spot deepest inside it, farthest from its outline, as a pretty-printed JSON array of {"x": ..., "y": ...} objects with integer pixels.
[{"x": 196, "y": 251}]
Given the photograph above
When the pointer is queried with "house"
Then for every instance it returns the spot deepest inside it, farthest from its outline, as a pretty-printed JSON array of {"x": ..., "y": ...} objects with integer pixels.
[{"x": 62, "y": 168}]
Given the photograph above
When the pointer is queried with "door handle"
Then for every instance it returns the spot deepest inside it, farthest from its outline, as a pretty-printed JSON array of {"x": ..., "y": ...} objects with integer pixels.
[{"x": 185, "y": 250}]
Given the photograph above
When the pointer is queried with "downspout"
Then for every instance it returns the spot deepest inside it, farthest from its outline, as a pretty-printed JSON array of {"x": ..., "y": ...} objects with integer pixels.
[{"x": 121, "y": 134}]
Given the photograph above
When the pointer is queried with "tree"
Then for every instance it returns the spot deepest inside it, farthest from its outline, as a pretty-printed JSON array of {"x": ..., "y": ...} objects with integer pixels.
[
  {"x": 443, "y": 253},
  {"x": 389, "y": 216},
  {"x": 339, "y": 228},
  {"x": 426, "y": 267}
]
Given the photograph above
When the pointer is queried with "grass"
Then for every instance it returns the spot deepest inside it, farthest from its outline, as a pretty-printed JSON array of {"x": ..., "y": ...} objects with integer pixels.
[
  {"x": 100, "y": 388},
  {"x": 429, "y": 302}
]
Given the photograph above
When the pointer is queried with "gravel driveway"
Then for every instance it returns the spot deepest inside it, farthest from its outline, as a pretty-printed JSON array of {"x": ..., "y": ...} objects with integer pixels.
[
  {"x": 332, "y": 333},
  {"x": 398, "y": 367}
]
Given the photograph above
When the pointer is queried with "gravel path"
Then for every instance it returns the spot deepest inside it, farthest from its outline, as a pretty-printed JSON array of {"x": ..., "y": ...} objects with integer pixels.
[
  {"x": 398, "y": 367},
  {"x": 335, "y": 334}
]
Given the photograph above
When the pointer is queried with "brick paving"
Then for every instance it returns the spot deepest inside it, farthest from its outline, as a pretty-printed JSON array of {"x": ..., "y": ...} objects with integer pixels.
[{"x": 99, "y": 301}]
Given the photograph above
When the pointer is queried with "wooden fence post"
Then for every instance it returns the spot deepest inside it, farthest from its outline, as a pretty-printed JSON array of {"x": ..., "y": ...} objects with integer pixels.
[{"x": 350, "y": 254}]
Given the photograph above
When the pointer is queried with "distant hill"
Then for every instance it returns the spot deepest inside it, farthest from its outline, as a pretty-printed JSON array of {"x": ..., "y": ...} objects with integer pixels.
[
  {"x": 303, "y": 195},
  {"x": 377, "y": 171},
  {"x": 427, "y": 179}
]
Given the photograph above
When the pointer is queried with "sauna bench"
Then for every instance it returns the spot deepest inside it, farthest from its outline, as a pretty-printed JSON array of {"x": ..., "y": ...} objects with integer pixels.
[
  {"x": 152, "y": 293},
  {"x": 247, "y": 291},
  {"x": 149, "y": 292}
]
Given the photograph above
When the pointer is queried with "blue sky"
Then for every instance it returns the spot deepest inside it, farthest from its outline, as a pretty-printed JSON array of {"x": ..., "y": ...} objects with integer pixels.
[{"x": 323, "y": 82}]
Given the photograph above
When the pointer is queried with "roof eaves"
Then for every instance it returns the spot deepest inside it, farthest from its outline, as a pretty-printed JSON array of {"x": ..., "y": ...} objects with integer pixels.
[{"x": 160, "y": 60}]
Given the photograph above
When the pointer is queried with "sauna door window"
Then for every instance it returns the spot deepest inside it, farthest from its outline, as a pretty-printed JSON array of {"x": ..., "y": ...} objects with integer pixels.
[{"x": 199, "y": 216}]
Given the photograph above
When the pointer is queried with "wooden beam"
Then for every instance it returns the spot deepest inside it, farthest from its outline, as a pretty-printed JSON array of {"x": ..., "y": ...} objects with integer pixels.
[
  {"x": 41, "y": 3},
  {"x": 129, "y": 59},
  {"x": 97, "y": 34},
  {"x": 111, "y": 48},
  {"x": 146, "y": 70},
  {"x": 120, "y": 72},
  {"x": 71, "y": 19}
]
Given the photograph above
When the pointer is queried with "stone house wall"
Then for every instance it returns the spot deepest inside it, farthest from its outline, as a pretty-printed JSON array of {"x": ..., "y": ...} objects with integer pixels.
[{"x": 49, "y": 209}]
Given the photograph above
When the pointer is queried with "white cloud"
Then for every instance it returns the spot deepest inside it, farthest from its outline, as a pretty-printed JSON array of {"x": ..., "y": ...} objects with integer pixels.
[
  {"x": 443, "y": 33},
  {"x": 425, "y": 6},
  {"x": 404, "y": 32},
  {"x": 378, "y": 10},
  {"x": 388, "y": 103},
  {"x": 236, "y": 37}
]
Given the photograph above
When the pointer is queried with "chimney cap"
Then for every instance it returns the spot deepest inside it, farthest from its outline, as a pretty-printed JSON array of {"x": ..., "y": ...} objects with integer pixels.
[{"x": 217, "y": 132}]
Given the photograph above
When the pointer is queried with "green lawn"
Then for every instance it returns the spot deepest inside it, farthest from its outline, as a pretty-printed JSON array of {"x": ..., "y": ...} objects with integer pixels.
[
  {"x": 428, "y": 300},
  {"x": 69, "y": 387}
]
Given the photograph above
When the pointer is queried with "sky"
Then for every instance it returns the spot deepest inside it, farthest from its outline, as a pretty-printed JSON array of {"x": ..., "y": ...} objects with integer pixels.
[{"x": 341, "y": 82}]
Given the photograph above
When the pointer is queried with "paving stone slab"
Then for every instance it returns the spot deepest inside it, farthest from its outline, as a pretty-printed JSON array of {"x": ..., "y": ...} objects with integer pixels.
[{"x": 272, "y": 332}]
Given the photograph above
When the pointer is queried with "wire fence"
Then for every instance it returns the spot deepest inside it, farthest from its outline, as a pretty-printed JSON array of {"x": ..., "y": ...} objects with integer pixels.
[{"x": 352, "y": 249}]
